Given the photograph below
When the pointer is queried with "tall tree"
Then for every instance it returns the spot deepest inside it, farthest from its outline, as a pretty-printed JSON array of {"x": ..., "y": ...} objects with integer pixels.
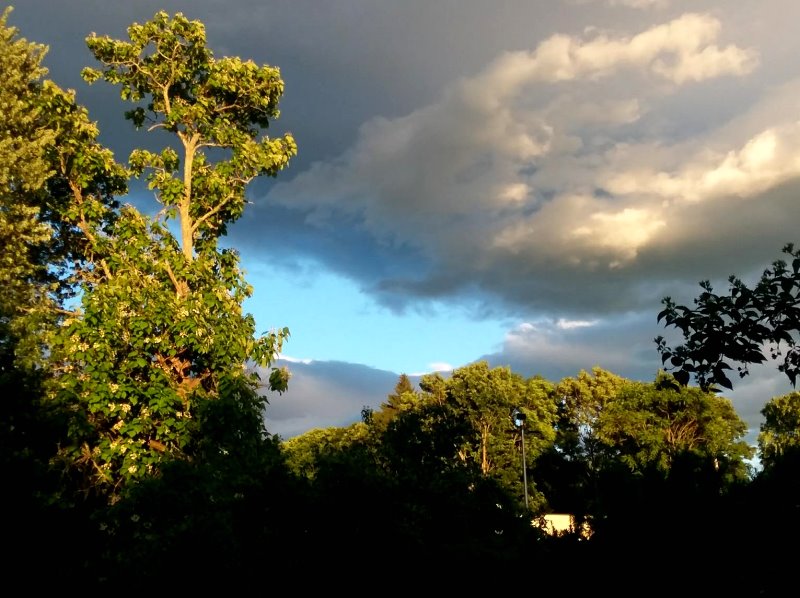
[
  {"x": 403, "y": 397},
  {"x": 476, "y": 403},
  {"x": 650, "y": 426},
  {"x": 161, "y": 331},
  {"x": 741, "y": 327},
  {"x": 582, "y": 401},
  {"x": 780, "y": 430},
  {"x": 54, "y": 179}
]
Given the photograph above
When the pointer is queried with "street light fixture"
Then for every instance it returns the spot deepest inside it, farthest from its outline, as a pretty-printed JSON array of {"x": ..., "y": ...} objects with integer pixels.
[{"x": 519, "y": 421}]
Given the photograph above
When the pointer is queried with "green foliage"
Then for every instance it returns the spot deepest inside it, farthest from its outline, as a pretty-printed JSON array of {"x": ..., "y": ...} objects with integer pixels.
[
  {"x": 24, "y": 169},
  {"x": 737, "y": 328},
  {"x": 653, "y": 425},
  {"x": 466, "y": 420},
  {"x": 582, "y": 401},
  {"x": 306, "y": 453},
  {"x": 160, "y": 332},
  {"x": 612, "y": 431},
  {"x": 23, "y": 141},
  {"x": 54, "y": 178},
  {"x": 206, "y": 103},
  {"x": 402, "y": 398},
  {"x": 780, "y": 431}
]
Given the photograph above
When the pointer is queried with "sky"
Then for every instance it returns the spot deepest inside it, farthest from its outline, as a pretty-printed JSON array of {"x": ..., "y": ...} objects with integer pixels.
[{"x": 516, "y": 181}]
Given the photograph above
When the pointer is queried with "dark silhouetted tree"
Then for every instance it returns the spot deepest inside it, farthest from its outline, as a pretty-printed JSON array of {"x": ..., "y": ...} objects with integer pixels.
[{"x": 741, "y": 328}]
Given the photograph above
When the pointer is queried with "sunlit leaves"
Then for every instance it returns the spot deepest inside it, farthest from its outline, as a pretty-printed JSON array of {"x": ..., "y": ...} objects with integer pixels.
[
  {"x": 780, "y": 431},
  {"x": 208, "y": 103},
  {"x": 54, "y": 179},
  {"x": 469, "y": 417},
  {"x": 162, "y": 334},
  {"x": 650, "y": 425},
  {"x": 153, "y": 349}
]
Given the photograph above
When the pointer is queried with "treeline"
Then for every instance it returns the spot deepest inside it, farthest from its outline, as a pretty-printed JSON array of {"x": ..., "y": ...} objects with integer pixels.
[
  {"x": 134, "y": 451},
  {"x": 658, "y": 476}
]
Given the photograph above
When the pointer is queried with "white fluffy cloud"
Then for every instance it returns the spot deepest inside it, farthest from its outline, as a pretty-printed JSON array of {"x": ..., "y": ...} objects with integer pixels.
[
  {"x": 680, "y": 51},
  {"x": 768, "y": 158},
  {"x": 519, "y": 173}
]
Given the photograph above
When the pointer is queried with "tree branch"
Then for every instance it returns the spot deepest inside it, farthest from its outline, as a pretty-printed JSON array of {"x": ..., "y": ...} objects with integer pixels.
[
  {"x": 180, "y": 287},
  {"x": 211, "y": 212}
]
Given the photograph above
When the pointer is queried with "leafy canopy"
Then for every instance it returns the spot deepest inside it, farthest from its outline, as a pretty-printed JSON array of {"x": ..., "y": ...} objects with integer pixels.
[
  {"x": 161, "y": 331},
  {"x": 780, "y": 430},
  {"x": 207, "y": 103},
  {"x": 652, "y": 425}
]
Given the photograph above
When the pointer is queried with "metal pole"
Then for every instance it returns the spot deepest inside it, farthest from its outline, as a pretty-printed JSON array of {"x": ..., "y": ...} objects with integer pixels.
[{"x": 524, "y": 465}]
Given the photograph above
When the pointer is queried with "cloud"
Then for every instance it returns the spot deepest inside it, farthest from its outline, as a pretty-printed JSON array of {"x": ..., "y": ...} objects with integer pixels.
[
  {"x": 639, "y": 4},
  {"x": 570, "y": 324},
  {"x": 324, "y": 394},
  {"x": 289, "y": 359},
  {"x": 680, "y": 51},
  {"x": 765, "y": 160},
  {"x": 515, "y": 186},
  {"x": 558, "y": 348}
]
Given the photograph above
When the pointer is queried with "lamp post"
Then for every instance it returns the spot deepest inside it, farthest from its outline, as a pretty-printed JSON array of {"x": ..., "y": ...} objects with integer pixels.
[{"x": 519, "y": 421}]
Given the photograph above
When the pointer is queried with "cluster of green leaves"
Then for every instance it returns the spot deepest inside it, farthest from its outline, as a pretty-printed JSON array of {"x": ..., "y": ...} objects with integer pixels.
[
  {"x": 24, "y": 170},
  {"x": 138, "y": 330},
  {"x": 403, "y": 398},
  {"x": 652, "y": 425},
  {"x": 141, "y": 357},
  {"x": 609, "y": 427},
  {"x": 207, "y": 103},
  {"x": 487, "y": 398},
  {"x": 55, "y": 179},
  {"x": 780, "y": 431},
  {"x": 741, "y": 327},
  {"x": 465, "y": 423},
  {"x": 581, "y": 402}
]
